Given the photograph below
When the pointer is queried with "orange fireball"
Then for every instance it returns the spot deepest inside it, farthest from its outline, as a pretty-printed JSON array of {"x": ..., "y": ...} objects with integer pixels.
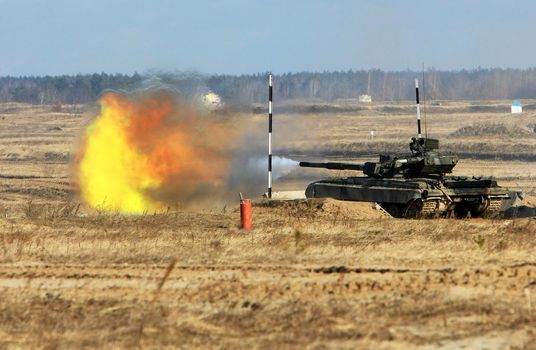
[{"x": 144, "y": 154}]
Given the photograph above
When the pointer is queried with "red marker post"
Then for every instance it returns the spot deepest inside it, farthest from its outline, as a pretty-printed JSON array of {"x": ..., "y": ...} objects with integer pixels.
[{"x": 245, "y": 213}]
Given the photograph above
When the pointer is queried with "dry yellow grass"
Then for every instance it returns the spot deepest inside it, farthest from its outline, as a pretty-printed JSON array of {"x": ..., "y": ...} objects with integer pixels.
[
  {"x": 335, "y": 275},
  {"x": 294, "y": 281}
]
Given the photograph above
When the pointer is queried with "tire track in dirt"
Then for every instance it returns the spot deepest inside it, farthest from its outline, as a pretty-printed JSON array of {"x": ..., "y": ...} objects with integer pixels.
[{"x": 201, "y": 282}]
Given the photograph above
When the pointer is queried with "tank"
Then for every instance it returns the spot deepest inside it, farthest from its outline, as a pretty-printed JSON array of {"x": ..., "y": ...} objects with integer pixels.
[{"x": 415, "y": 185}]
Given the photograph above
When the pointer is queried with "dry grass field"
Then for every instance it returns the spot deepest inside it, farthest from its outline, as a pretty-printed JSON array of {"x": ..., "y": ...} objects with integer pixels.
[{"x": 316, "y": 275}]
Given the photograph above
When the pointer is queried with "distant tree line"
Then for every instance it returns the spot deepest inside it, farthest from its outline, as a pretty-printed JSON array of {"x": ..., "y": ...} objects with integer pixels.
[
  {"x": 72, "y": 89},
  {"x": 478, "y": 84}
]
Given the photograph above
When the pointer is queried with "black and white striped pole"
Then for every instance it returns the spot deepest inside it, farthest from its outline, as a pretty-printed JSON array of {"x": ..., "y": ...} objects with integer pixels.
[
  {"x": 418, "y": 109},
  {"x": 270, "y": 136}
]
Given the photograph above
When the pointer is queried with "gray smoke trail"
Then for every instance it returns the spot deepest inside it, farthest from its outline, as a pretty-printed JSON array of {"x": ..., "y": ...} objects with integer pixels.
[
  {"x": 282, "y": 166},
  {"x": 248, "y": 172}
]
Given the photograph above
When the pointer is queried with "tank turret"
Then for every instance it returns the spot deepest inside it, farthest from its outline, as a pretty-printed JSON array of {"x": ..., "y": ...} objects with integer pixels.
[{"x": 424, "y": 161}]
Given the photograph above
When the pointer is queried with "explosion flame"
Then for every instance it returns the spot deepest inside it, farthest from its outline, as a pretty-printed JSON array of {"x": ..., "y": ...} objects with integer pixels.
[{"x": 146, "y": 153}]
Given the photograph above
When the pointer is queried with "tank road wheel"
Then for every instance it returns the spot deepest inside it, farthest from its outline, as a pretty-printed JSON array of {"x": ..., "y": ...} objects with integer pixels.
[{"x": 414, "y": 209}]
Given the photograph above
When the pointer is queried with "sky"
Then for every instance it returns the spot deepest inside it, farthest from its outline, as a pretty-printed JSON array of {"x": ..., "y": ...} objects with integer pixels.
[{"x": 53, "y": 37}]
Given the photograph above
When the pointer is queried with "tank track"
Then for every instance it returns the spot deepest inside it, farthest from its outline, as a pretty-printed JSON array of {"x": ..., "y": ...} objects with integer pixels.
[
  {"x": 430, "y": 207},
  {"x": 415, "y": 209},
  {"x": 437, "y": 207},
  {"x": 494, "y": 205},
  {"x": 493, "y": 208}
]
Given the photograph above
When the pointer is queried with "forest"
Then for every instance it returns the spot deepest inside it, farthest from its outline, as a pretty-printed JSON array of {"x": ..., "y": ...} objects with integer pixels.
[{"x": 476, "y": 84}]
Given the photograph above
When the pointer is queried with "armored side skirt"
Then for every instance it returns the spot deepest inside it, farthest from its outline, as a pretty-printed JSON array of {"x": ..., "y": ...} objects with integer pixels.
[{"x": 361, "y": 193}]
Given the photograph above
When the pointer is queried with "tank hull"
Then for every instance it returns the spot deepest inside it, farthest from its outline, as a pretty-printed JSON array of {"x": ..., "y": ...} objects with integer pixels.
[{"x": 417, "y": 197}]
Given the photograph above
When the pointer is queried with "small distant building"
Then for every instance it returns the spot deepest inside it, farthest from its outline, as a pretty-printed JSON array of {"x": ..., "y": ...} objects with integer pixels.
[
  {"x": 365, "y": 98},
  {"x": 516, "y": 107}
]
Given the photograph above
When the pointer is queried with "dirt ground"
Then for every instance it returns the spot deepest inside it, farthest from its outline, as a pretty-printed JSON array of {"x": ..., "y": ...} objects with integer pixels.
[{"x": 316, "y": 275}]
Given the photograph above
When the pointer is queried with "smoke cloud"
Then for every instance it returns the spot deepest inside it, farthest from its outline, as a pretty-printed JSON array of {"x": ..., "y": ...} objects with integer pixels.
[{"x": 154, "y": 150}]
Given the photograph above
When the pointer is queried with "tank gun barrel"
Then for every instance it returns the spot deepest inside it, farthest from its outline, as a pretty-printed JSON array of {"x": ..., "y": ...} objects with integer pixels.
[{"x": 333, "y": 166}]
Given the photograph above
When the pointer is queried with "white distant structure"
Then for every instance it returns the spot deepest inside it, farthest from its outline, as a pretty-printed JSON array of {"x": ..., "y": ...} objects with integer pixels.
[
  {"x": 365, "y": 98},
  {"x": 516, "y": 107},
  {"x": 212, "y": 100}
]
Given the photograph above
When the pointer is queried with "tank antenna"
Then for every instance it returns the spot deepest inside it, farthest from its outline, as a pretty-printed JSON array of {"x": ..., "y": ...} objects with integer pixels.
[
  {"x": 419, "y": 134},
  {"x": 424, "y": 102},
  {"x": 270, "y": 135}
]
